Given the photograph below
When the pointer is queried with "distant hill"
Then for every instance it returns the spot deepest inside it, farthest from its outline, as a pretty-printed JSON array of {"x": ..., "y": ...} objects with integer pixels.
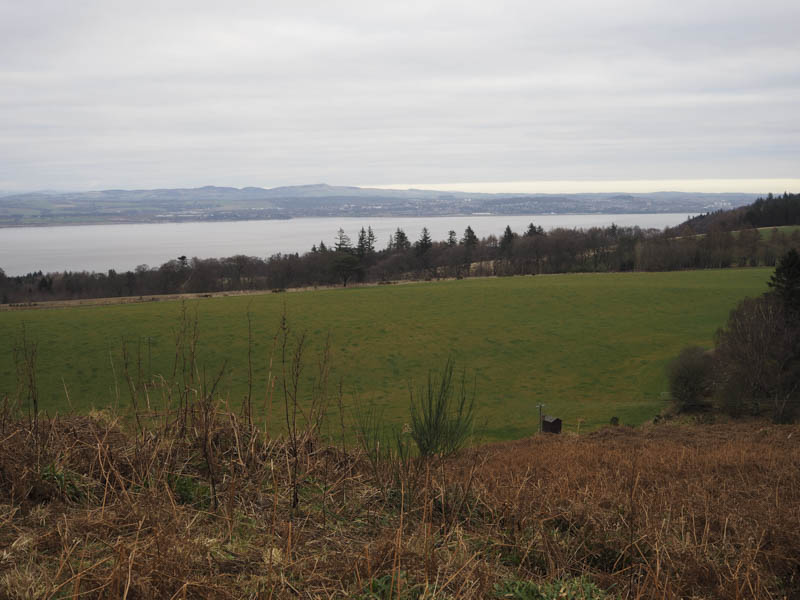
[
  {"x": 321, "y": 200},
  {"x": 772, "y": 211}
]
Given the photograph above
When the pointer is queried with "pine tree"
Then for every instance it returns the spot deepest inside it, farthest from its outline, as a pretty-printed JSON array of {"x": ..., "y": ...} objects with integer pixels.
[
  {"x": 470, "y": 240},
  {"x": 534, "y": 230},
  {"x": 401, "y": 241},
  {"x": 343, "y": 243},
  {"x": 361, "y": 247},
  {"x": 507, "y": 242},
  {"x": 424, "y": 243},
  {"x": 785, "y": 281}
]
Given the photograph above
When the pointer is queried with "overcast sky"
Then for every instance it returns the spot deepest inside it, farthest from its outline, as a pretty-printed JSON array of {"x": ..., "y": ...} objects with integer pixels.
[{"x": 140, "y": 94}]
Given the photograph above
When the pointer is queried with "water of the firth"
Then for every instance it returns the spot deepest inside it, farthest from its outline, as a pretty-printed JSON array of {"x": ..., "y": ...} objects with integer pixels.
[{"x": 123, "y": 247}]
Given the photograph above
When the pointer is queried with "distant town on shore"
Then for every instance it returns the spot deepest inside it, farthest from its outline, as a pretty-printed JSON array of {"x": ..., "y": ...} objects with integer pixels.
[{"x": 321, "y": 200}]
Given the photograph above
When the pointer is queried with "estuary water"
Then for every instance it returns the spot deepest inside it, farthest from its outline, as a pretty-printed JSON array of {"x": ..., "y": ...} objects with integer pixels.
[{"x": 124, "y": 247}]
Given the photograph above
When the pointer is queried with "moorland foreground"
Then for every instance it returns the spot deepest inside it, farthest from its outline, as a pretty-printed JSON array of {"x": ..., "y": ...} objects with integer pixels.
[
  {"x": 217, "y": 510},
  {"x": 251, "y": 447}
]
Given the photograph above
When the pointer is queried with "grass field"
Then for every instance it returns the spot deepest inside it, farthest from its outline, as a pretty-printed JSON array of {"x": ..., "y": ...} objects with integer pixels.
[
  {"x": 766, "y": 232},
  {"x": 588, "y": 346}
]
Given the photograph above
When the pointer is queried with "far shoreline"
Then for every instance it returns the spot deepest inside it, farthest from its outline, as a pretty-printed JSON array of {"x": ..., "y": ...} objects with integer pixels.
[{"x": 348, "y": 216}]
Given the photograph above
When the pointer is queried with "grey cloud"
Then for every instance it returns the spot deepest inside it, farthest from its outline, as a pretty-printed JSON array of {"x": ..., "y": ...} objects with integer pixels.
[{"x": 113, "y": 94}]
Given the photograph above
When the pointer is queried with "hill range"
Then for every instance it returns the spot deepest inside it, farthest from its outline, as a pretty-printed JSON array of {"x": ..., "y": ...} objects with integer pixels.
[{"x": 321, "y": 200}]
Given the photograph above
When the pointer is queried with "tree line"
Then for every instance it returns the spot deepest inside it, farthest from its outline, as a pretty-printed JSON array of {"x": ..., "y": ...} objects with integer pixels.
[
  {"x": 754, "y": 367},
  {"x": 465, "y": 254},
  {"x": 772, "y": 211}
]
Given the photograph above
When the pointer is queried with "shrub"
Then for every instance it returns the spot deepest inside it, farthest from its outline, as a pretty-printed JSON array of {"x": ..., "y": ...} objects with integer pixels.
[
  {"x": 68, "y": 483},
  {"x": 188, "y": 490},
  {"x": 690, "y": 379},
  {"x": 441, "y": 418}
]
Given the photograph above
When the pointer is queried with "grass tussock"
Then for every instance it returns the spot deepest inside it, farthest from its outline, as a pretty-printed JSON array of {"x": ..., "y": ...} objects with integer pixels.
[{"x": 204, "y": 505}]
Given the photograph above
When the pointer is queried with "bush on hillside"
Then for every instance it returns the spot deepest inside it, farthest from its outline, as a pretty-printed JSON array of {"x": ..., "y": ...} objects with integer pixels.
[
  {"x": 758, "y": 350},
  {"x": 757, "y": 360},
  {"x": 441, "y": 415},
  {"x": 690, "y": 379},
  {"x": 754, "y": 369}
]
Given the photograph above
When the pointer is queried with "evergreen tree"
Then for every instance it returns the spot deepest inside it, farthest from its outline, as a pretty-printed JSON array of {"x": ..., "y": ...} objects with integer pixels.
[
  {"x": 346, "y": 266},
  {"x": 370, "y": 241},
  {"x": 534, "y": 230},
  {"x": 401, "y": 241},
  {"x": 452, "y": 240},
  {"x": 507, "y": 242},
  {"x": 424, "y": 243},
  {"x": 470, "y": 240},
  {"x": 361, "y": 248},
  {"x": 343, "y": 243},
  {"x": 785, "y": 281}
]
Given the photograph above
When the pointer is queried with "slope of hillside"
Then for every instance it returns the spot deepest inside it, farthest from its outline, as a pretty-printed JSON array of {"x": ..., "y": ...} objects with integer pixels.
[
  {"x": 217, "y": 510},
  {"x": 772, "y": 211}
]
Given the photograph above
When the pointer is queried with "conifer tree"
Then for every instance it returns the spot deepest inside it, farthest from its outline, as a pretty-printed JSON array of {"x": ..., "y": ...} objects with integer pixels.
[
  {"x": 343, "y": 243},
  {"x": 470, "y": 240},
  {"x": 507, "y": 242},
  {"x": 785, "y": 281},
  {"x": 424, "y": 243},
  {"x": 401, "y": 241}
]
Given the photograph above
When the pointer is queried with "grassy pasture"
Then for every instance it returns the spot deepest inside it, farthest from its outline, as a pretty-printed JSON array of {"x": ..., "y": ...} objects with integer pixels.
[
  {"x": 766, "y": 232},
  {"x": 589, "y": 346}
]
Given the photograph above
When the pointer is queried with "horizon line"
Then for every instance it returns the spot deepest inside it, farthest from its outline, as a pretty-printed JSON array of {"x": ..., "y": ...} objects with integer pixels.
[{"x": 545, "y": 186}]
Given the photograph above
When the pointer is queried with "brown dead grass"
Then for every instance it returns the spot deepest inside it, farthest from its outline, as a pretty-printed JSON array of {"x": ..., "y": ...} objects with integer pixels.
[{"x": 89, "y": 509}]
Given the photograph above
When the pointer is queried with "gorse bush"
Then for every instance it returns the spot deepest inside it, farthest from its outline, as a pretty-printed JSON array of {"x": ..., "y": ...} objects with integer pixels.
[
  {"x": 442, "y": 416},
  {"x": 441, "y": 422}
]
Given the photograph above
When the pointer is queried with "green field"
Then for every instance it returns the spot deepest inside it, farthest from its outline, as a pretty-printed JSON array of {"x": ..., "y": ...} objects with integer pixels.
[
  {"x": 766, "y": 232},
  {"x": 589, "y": 346}
]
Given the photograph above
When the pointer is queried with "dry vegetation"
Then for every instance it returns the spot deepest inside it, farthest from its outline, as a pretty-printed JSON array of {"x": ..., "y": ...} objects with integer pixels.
[{"x": 200, "y": 504}]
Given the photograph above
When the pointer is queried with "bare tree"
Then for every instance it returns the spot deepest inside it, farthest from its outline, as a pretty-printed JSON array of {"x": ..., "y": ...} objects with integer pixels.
[{"x": 757, "y": 359}]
